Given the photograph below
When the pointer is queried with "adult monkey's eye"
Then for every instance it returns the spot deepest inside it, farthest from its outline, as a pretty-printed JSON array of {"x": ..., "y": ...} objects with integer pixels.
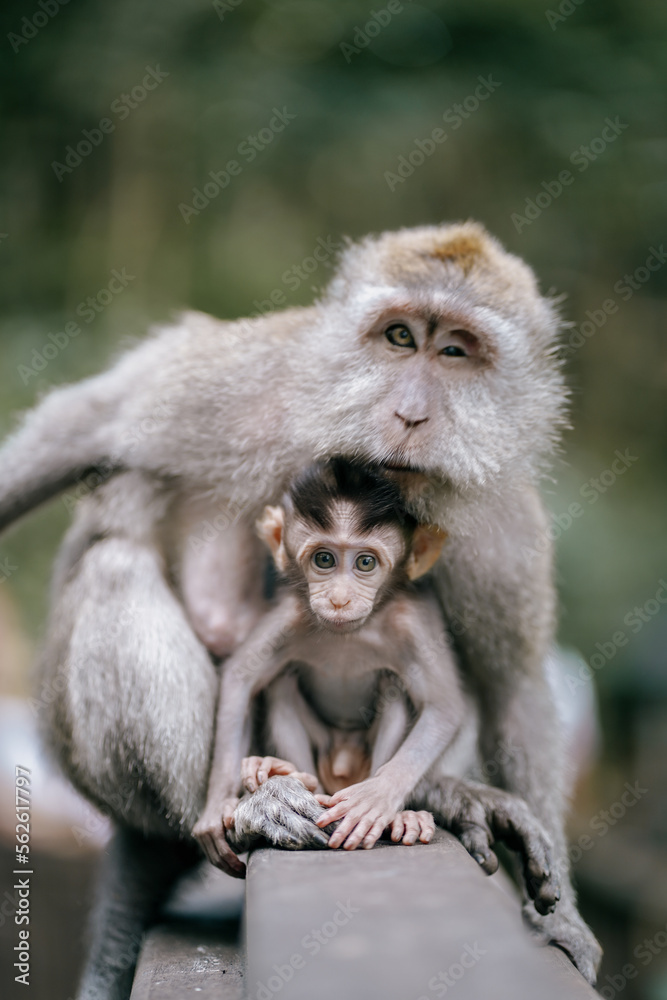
[
  {"x": 365, "y": 563},
  {"x": 452, "y": 351},
  {"x": 324, "y": 559},
  {"x": 399, "y": 336}
]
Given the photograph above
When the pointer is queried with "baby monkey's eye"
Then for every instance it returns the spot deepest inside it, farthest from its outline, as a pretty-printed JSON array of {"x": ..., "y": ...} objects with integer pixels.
[
  {"x": 365, "y": 563},
  {"x": 399, "y": 336},
  {"x": 324, "y": 559}
]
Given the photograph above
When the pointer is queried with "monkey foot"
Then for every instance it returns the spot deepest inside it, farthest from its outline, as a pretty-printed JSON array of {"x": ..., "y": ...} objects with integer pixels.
[
  {"x": 567, "y": 930},
  {"x": 283, "y": 812},
  {"x": 480, "y": 815}
]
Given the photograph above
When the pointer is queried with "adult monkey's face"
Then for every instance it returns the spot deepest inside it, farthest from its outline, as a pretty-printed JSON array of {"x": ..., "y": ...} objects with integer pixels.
[{"x": 443, "y": 359}]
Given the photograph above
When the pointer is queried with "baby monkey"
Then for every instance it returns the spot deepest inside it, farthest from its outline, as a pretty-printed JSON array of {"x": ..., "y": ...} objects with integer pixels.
[{"x": 349, "y": 622}]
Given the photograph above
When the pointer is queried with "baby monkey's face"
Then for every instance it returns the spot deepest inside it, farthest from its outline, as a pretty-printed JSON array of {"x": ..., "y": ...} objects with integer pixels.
[
  {"x": 346, "y": 571},
  {"x": 348, "y": 567}
]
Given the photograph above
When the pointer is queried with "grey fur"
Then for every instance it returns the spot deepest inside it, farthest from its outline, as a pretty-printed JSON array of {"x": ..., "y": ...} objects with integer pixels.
[
  {"x": 228, "y": 412},
  {"x": 281, "y": 812}
]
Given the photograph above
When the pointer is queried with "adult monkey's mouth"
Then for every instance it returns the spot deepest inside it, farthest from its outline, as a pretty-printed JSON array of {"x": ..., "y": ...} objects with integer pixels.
[{"x": 401, "y": 467}]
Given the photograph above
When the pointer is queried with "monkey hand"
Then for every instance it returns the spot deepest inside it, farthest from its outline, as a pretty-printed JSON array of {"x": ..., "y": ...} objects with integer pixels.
[
  {"x": 281, "y": 812},
  {"x": 408, "y": 827},
  {"x": 365, "y": 810},
  {"x": 256, "y": 770},
  {"x": 209, "y": 831},
  {"x": 480, "y": 815}
]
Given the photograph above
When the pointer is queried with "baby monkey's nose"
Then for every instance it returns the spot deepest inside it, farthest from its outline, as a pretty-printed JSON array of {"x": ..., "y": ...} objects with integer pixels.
[{"x": 338, "y": 603}]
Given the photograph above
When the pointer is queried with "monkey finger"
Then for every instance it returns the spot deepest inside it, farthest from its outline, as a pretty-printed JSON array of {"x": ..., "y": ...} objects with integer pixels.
[
  {"x": 270, "y": 766},
  {"x": 345, "y": 827},
  {"x": 249, "y": 768},
  {"x": 523, "y": 834},
  {"x": 542, "y": 882},
  {"x": 220, "y": 854},
  {"x": 426, "y": 826},
  {"x": 374, "y": 834},
  {"x": 363, "y": 829},
  {"x": 476, "y": 840},
  {"x": 397, "y": 828},
  {"x": 309, "y": 780},
  {"x": 411, "y": 828},
  {"x": 337, "y": 811},
  {"x": 228, "y": 810}
]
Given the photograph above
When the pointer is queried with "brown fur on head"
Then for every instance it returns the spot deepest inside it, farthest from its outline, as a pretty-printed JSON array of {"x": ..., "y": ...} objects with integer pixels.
[{"x": 465, "y": 250}]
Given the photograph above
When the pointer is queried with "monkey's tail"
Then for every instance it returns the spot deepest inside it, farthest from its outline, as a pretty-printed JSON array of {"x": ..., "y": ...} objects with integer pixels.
[{"x": 69, "y": 433}]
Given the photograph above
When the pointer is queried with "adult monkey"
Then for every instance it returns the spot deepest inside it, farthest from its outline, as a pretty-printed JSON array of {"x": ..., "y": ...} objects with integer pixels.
[{"x": 432, "y": 353}]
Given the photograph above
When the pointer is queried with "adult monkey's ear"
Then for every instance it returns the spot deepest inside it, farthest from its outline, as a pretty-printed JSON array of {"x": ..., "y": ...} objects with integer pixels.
[
  {"x": 271, "y": 529},
  {"x": 426, "y": 547}
]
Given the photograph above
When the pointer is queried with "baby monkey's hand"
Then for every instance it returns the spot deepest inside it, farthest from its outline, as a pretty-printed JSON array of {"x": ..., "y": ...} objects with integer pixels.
[
  {"x": 409, "y": 827},
  {"x": 210, "y": 830},
  {"x": 365, "y": 811},
  {"x": 256, "y": 770}
]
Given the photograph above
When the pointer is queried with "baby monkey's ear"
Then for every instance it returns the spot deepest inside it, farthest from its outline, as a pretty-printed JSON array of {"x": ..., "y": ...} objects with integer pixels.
[
  {"x": 426, "y": 547},
  {"x": 271, "y": 529}
]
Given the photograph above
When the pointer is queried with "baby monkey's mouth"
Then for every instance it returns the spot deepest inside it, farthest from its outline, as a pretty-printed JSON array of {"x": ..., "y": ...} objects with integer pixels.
[{"x": 339, "y": 624}]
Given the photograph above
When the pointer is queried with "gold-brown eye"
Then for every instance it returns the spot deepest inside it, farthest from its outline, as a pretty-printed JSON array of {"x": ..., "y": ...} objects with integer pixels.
[
  {"x": 365, "y": 563},
  {"x": 399, "y": 336},
  {"x": 324, "y": 559}
]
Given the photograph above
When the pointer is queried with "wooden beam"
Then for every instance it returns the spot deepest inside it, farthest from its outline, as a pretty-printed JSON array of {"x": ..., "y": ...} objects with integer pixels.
[{"x": 400, "y": 923}]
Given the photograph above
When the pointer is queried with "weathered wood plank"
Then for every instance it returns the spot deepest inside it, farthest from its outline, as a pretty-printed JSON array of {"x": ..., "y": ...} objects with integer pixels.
[
  {"x": 190, "y": 958},
  {"x": 397, "y": 923}
]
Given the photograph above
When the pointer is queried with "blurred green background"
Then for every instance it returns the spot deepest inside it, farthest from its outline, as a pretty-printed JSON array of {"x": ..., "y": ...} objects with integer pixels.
[{"x": 559, "y": 73}]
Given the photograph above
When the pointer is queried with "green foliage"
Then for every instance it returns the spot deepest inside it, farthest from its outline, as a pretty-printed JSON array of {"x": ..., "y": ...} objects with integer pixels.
[{"x": 558, "y": 78}]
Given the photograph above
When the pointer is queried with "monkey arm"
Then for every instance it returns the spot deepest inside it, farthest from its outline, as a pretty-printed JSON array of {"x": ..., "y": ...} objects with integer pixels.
[
  {"x": 251, "y": 668},
  {"x": 392, "y": 725},
  {"x": 69, "y": 433},
  {"x": 502, "y": 616}
]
